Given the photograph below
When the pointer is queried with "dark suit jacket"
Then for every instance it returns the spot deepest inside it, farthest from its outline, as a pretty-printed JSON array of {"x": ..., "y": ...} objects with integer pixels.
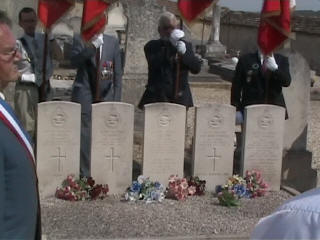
[
  {"x": 19, "y": 212},
  {"x": 251, "y": 86},
  {"x": 83, "y": 57},
  {"x": 162, "y": 73}
]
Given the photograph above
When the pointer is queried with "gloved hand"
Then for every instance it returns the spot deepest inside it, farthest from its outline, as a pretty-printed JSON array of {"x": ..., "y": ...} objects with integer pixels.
[
  {"x": 181, "y": 47},
  {"x": 28, "y": 77},
  {"x": 175, "y": 36},
  {"x": 270, "y": 63},
  {"x": 97, "y": 40}
]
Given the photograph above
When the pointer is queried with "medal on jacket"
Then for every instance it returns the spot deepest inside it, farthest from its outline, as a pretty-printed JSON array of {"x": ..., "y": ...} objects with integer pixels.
[
  {"x": 107, "y": 70},
  {"x": 249, "y": 76}
]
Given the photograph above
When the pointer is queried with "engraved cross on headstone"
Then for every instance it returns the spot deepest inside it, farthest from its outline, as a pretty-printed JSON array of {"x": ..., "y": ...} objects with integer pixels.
[
  {"x": 112, "y": 157},
  {"x": 214, "y": 157},
  {"x": 59, "y": 156}
]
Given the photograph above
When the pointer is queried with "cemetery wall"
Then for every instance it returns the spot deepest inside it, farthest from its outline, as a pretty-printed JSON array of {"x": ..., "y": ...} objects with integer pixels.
[{"x": 239, "y": 32}]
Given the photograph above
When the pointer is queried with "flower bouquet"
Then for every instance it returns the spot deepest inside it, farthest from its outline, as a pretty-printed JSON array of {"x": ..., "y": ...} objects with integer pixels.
[
  {"x": 196, "y": 186},
  {"x": 228, "y": 198},
  {"x": 251, "y": 186},
  {"x": 256, "y": 186},
  {"x": 180, "y": 188},
  {"x": 81, "y": 189},
  {"x": 145, "y": 189}
]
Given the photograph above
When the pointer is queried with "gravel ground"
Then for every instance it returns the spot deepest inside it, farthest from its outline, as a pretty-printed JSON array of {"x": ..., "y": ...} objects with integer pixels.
[{"x": 113, "y": 218}]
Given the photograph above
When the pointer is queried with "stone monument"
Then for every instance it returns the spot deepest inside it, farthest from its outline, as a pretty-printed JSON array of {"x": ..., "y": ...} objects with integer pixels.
[
  {"x": 213, "y": 144},
  {"x": 263, "y": 142},
  {"x": 112, "y": 145},
  {"x": 164, "y": 138},
  {"x": 58, "y": 144}
]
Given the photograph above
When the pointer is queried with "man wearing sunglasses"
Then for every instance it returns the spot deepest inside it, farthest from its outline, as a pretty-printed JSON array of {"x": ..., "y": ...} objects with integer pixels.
[{"x": 19, "y": 199}]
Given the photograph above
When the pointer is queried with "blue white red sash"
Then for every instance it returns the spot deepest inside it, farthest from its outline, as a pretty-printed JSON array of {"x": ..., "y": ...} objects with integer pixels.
[{"x": 8, "y": 117}]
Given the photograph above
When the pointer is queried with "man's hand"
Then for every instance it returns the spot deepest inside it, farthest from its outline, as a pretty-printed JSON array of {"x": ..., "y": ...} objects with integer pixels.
[
  {"x": 28, "y": 77},
  {"x": 175, "y": 36},
  {"x": 270, "y": 63},
  {"x": 175, "y": 39},
  {"x": 181, "y": 47},
  {"x": 97, "y": 40}
]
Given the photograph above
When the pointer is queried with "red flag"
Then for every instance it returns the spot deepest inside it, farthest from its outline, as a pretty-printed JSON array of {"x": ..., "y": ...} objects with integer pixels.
[
  {"x": 275, "y": 25},
  {"x": 93, "y": 18},
  {"x": 191, "y": 9},
  {"x": 49, "y": 11}
]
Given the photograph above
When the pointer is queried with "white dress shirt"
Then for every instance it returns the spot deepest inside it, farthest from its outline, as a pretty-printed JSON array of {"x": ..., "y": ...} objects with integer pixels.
[
  {"x": 25, "y": 67},
  {"x": 298, "y": 218}
]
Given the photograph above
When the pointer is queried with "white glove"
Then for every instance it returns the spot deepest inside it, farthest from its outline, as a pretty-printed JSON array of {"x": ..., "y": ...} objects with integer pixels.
[
  {"x": 292, "y": 3},
  {"x": 97, "y": 40},
  {"x": 28, "y": 77},
  {"x": 181, "y": 47},
  {"x": 175, "y": 36},
  {"x": 270, "y": 63}
]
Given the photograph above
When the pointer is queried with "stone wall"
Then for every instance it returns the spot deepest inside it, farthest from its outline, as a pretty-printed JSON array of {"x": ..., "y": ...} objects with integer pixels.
[
  {"x": 239, "y": 32},
  {"x": 142, "y": 21}
]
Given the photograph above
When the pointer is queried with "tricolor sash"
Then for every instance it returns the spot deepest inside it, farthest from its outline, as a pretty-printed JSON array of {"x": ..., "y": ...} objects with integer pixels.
[{"x": 8, "y": 117}]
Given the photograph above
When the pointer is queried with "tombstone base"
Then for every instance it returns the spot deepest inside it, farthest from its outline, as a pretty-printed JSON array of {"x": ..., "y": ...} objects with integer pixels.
[{"x": 297, "y": 172}]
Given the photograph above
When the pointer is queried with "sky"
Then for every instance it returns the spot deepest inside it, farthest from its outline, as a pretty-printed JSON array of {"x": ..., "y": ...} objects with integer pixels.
[{"x": 255, "y": 5}]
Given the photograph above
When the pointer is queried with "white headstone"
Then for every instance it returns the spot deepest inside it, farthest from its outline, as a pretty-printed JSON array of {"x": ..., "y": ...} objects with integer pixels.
[
  {"x": 297, "y": 97},
  {"x": 214, "y": 144},
  {"x": 263, "y": 141},
  {"x": 112, "y": 145},
  {"x": 164, "y": 136},
  {"x": 58, "y": 144}
]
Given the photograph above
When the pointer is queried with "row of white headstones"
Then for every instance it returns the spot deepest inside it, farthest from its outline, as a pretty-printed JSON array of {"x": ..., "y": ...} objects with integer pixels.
[{"x": 58, "y": 143}]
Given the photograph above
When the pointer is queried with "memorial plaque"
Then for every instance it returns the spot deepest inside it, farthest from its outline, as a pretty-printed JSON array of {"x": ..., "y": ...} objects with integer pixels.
[
  {"x": 214, "y": 144},
  {"x": 263, "y": 142},
  {"x": 164, "y": 136},
  {"x": 58, "y": 144},
  {"x": 112, "y": 145}
]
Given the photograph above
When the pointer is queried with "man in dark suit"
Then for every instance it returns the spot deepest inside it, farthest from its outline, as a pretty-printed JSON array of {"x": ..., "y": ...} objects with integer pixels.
[
  {"x": 19, "y": 198},
  {"x": 169, "y": 58},
  {"x": 83, "y": 57},
  {"x": 259, "y": 79}
]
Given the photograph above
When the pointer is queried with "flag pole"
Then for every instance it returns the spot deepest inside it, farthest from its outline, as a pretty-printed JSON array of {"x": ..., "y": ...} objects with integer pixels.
[
  {"x": 42, "y": 92},
  {"x": 97, "y": 90},
  {"x": 178, "y": 59}
]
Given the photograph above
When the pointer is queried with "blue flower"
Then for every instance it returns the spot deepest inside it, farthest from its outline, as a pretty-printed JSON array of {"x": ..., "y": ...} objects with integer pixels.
[
  {"x": 135, "y": 187},
  {"x": 219, "y": 188},
  {"x": 155, "y": 195},
  {"x": 240, "y": 190},
  {"x": 157, "y": 185}
]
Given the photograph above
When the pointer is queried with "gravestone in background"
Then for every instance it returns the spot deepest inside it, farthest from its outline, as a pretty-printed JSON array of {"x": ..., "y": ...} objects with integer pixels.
[
  {"x": 112, "y": 145},
  {"x": 214, "y": 144},
  {"x": 297, "y": 98},
  {"x": 263, "y": 142},
  {"x": 58, "y": 144},
  {"x": 297, "y": 162},
  {"x": 164, "y": 136}
]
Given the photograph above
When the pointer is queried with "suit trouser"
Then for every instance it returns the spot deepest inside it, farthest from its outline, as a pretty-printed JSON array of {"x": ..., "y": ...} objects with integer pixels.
[
  {"x": 26, "y": 98},
  {"x": 85, "y": 145}
]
